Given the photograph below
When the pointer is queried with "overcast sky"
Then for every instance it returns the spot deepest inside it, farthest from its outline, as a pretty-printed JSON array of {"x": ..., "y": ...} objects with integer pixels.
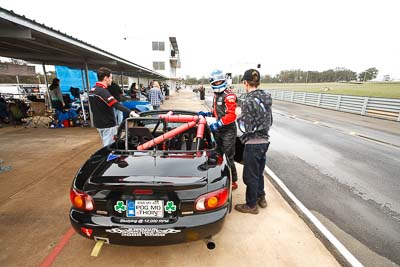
[{"x": 235, "y": 35}]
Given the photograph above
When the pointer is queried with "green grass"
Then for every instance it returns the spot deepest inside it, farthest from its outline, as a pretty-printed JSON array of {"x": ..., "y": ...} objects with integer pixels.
[{"x": 375, "y": 89}]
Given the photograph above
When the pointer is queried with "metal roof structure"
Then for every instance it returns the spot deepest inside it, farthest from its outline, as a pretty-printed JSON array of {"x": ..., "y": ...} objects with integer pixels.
[{"x": 26, "y": 39}]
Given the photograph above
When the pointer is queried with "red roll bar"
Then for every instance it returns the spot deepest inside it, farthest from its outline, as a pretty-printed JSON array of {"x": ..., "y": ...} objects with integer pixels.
[{"x": 191, "y": 121}]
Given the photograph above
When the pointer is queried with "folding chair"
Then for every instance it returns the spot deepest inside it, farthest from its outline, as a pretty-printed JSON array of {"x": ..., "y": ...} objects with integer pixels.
[{"x": 38, "y": 115}]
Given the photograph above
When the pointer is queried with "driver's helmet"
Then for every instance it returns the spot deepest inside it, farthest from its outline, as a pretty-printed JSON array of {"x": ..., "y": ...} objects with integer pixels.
[{"x": 218, "y": 81}]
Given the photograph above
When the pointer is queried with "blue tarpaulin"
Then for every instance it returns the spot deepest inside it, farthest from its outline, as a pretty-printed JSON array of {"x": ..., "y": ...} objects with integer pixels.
[{"x": 70, "y": 77}]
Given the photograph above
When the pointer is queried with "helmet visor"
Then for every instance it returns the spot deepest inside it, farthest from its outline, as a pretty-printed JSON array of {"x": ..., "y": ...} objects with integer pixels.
[{"x": 216, "y": 83}]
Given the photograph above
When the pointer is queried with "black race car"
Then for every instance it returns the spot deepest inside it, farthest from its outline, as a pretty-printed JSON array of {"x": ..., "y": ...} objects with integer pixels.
[{"x": 161, "y": 182}]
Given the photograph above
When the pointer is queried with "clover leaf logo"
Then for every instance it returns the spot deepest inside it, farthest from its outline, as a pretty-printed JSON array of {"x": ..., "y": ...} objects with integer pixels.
[
  {"x": 170, "y": 207},
  {"x": 120, "y": 207}
]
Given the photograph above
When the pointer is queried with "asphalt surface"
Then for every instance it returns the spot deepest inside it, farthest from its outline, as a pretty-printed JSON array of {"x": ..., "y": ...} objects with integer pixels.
[{"x": 345, "y": 168}]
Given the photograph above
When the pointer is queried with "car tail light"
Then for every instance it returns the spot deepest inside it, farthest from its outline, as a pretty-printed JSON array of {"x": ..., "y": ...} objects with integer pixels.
[
  {"x": 212, "y": 200},
  {"x": 81, "y": 200}
]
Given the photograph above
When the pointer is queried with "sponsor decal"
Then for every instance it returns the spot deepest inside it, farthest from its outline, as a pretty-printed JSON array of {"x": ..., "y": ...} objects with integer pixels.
[
  {"x": 144, "y": 221},
  {"x": 120, "y": 207},
  {"x": 170, "y": 207},
  {"x": 130, "y": 212},
  {"x": 142, "y": 231}
]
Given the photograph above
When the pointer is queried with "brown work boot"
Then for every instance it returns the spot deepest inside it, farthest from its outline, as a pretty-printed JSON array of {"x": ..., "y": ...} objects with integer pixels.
[
  {"x": 246, "y": 209},
  {"x": 262, "y": 202}
]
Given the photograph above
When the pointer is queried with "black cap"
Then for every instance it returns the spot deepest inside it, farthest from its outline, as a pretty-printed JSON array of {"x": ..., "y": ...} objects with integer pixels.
[{"x": 251, "y": 75}]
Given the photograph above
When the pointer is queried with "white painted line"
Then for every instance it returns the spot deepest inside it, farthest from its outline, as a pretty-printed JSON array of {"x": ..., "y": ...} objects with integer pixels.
[{"x": 318, "y": 225}]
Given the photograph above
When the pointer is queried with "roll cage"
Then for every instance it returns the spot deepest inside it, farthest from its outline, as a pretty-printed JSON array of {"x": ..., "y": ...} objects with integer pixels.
[{"x": 166, "y": 131}]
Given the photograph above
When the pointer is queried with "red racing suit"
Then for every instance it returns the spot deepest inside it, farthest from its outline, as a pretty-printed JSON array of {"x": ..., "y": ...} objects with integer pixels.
[{"x": 224, "y": 105}]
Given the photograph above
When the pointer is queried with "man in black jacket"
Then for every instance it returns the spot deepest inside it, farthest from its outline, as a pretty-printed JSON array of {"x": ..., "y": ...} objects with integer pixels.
[
  {"x": 102, "y": 104},
  {"x": 116, "y": 92},
  {"x": 254, "y": 122}
]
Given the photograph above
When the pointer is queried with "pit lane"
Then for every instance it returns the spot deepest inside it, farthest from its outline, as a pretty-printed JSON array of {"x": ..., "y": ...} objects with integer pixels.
[{"x": 35, "y": 204}]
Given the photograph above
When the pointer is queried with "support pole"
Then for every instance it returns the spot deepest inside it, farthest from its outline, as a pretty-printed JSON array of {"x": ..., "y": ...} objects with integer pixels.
[
  {"x": 87, "y": 87},
  {"x": 122, "y": 83},
  {"x": 81, "y": 100},
  {"x": 138, "y": 85},
  {"x": 83, "y": 81},
  {"x": 46, "y": 81}
]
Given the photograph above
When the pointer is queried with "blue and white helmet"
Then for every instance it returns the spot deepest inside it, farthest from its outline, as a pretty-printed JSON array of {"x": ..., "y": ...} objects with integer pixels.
[{"x": 218, "y": 81}]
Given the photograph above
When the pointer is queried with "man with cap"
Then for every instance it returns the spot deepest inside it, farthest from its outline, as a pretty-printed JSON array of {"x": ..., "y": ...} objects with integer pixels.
[
  {"x": 254, "y": 122},
  {"x": 224, "y": 129}
]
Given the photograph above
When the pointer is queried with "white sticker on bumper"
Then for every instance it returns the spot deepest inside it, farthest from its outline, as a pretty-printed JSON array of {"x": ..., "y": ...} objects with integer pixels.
[{"x": 142, "y": 231}]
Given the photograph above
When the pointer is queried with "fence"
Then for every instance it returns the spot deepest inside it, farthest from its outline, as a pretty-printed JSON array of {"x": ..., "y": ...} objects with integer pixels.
[{"x": 385, "y": 108}]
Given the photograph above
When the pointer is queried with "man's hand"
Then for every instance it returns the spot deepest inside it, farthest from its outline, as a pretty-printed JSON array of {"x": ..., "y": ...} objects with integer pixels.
[
  {"x": 205, "y": 114},
  {"x": 216, "y": 125},
  {"x": 133, "y": 114}
]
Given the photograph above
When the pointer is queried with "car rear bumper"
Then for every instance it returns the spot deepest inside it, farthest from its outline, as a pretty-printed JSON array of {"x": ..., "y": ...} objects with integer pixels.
[{"x": 185, "y": 229}]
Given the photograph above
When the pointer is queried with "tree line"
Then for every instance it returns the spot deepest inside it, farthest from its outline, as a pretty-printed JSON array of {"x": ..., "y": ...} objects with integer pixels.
[
  {"x": 285, "y": 76},
  {"x": 301, "y": 76}
]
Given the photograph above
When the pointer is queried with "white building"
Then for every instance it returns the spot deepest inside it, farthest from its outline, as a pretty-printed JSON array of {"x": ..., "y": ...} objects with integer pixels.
[{"x": 158, "y": 54}]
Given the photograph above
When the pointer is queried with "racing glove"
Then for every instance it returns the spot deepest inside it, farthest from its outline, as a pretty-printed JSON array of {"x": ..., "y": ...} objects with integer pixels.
[
  {"x": 133, "y": 114},
  {"x": 216, "y": 125},
  {"x": 205, "y": 114}
]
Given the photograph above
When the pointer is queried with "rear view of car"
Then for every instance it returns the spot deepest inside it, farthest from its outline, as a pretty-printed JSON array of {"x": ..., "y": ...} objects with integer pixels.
[{"x": 161, "y": 182}]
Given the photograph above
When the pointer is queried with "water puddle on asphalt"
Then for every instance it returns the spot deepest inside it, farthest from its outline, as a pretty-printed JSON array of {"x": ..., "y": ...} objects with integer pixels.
[{"x": 331, "y": 163}]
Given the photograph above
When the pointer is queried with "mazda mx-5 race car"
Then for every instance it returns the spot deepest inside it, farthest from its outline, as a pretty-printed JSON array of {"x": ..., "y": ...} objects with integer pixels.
[{"x": 161, "y": 182}]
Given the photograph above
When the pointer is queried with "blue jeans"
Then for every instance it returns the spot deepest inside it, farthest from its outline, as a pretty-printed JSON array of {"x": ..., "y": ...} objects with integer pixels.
[
  {"x": 253, "y": 172},
  {"x": 119, "y": 116},
  {"x": 107, "y": 135}
]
